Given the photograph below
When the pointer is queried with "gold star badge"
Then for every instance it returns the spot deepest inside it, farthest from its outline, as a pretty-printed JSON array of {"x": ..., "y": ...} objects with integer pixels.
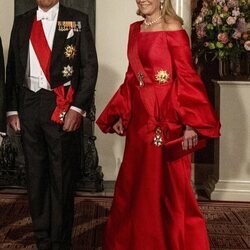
[
  {"x": 68, "y": 71},
  {"x": 162, "y": 76},
  {"x": 70, "y": 51}
]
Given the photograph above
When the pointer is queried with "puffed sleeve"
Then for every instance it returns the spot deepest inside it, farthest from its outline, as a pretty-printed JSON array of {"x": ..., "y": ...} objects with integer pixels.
[
  {"x": 190, "y": 98},
  {"x": 118, "y": 107}
]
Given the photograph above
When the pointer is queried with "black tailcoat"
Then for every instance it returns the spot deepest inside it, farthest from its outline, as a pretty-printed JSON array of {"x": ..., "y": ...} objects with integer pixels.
[
  {"x": 84, "y": 63},
  {"x": 51, "y": 154}
]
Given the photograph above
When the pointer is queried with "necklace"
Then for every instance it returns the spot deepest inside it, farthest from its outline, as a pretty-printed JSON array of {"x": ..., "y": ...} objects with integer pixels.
[{"x": 152, "y": 22}]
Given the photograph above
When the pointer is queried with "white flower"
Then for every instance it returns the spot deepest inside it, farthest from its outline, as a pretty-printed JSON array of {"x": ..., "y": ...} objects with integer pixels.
[
  {"x": 231, "y": 20},
  {"x": 247, "y": 45},
  {"x": 199, "y": 19}
]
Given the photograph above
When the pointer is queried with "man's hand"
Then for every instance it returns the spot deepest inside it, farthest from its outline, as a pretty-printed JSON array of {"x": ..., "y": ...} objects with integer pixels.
[
  {"x": 72, "y": 121},
  {"x": 14, "y": 122},
  {"x": 190, "y": 138},
  {"x": 118, "y": 127}
]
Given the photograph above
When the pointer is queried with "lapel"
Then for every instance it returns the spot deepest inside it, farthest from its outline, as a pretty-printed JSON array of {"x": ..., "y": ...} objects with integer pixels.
[
  {"x": 25, "y": 30},
  {"x": 60, "y": 36}
]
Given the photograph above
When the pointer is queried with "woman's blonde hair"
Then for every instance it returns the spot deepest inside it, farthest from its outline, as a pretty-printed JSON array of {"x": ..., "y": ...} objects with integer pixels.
[{"x": 166, "y": 11}]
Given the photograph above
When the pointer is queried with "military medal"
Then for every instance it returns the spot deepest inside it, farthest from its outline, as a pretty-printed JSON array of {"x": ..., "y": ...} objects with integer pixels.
[
  {"x": 140, "y": 78},
  {"x": 162, "y": 76},
  {"x": 158, "y": 140},
  {"x": 61, "y": 116},
  {"x": 68, "y": 71},
  {"x": 68, "y": 25},
  {"x": 70, "y": 51},
  {"x": 60, "y": 25}
]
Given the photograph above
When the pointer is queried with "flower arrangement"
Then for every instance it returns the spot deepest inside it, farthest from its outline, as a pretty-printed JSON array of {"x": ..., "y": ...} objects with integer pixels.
[{"x": 221, "y": 29}]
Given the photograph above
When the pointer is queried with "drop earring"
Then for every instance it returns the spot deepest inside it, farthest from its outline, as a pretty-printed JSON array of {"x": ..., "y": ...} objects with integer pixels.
[{"x": 162, "y": 2}]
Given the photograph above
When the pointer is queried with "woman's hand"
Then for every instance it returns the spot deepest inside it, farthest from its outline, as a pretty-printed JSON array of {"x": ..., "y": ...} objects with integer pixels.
[
  {"x": 190, "y": 138},
  {"x": 118, "y": 127}
]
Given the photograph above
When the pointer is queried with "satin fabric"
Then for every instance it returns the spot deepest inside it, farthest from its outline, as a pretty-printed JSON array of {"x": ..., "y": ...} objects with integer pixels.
[{"x": 154, "y": 206}]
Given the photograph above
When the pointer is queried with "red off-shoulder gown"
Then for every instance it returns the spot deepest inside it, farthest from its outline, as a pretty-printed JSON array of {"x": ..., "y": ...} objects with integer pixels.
[{"x": 154, "y": 207}]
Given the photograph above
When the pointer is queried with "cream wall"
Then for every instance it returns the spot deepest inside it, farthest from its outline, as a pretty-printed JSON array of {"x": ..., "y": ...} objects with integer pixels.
[
  {"x": 112, "y": 23},
  {"x": 6, "y": 21}
]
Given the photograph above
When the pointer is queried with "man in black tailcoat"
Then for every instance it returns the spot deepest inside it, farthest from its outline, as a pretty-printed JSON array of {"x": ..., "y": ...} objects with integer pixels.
[{"x": 51, "y": 77}]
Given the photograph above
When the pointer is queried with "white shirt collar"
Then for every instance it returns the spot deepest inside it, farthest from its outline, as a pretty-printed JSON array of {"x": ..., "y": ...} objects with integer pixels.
[{"x": 48, "y": 15}]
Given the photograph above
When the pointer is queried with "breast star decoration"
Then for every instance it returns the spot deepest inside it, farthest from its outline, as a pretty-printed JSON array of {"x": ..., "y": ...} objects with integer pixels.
[
  {"x": 162, "y": 76},
  {"x": 70, "y": 51},
  {"x": 68, "y": 71}
]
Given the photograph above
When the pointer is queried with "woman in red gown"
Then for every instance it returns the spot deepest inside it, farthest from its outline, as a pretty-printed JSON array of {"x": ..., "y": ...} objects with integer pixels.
[{"x": 162, "y": 98}]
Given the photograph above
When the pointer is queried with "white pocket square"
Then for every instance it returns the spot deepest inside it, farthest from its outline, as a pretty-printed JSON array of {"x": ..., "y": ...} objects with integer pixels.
[{"x": 70, "y": 34}]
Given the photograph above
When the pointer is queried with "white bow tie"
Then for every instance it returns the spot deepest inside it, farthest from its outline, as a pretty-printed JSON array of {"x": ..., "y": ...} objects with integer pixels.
[{"x": 49, "y": 16}]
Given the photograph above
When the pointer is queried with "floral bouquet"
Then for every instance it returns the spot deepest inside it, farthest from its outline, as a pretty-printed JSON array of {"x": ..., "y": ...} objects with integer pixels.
[{"x": 221, "y": 29}]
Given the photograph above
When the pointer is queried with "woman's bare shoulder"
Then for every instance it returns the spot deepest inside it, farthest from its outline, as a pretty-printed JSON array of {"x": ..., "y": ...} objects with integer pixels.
[{"x": 172, "y": 23}]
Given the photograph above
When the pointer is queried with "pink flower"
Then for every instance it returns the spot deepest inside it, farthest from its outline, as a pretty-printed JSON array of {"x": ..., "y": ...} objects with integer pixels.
[
  {"x": 247, "y": 45},
  {"x": 204, "y": 8},
  {"x": 216, "y": 20},
  {"x": 221, "y": 2},
  {"x": 200, "y": 33},
  {"x": 242, "y": 25},
  {"x": 232, "y": 3},
  {"x": 236, "y": 12},
  {"x": 223, "y": 37},
  {"x": 231, "y": 20},
  {"x": 204, "y": 11},
  {"x": 236, "y": 34},
  {"x": 199, "y": 19},
  {"x": 225, "y": 8}
]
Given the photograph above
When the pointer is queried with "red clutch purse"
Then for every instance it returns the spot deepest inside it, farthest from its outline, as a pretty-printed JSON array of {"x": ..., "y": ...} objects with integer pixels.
[{"x": 173, "y": 149}]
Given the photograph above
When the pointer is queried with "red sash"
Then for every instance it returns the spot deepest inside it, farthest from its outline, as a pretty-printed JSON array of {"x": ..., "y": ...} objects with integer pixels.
[
  {"x": 43, "y": 53},
  {"x": 172, "y": 146}
]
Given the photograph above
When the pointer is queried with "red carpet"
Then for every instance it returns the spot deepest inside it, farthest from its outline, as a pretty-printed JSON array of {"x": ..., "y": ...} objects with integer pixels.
[{"x": 228, "y": 223}]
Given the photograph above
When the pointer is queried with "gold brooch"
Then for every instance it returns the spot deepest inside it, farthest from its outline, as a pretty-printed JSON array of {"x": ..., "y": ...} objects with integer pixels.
[
  {"x": 162, "y": 76},
  {"x": 70, "y": 51},
  {"x": 68, "y": 71}
]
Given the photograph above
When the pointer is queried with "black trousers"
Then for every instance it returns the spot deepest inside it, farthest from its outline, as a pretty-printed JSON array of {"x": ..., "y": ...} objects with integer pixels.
[{"x": 52, "y": 157}]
